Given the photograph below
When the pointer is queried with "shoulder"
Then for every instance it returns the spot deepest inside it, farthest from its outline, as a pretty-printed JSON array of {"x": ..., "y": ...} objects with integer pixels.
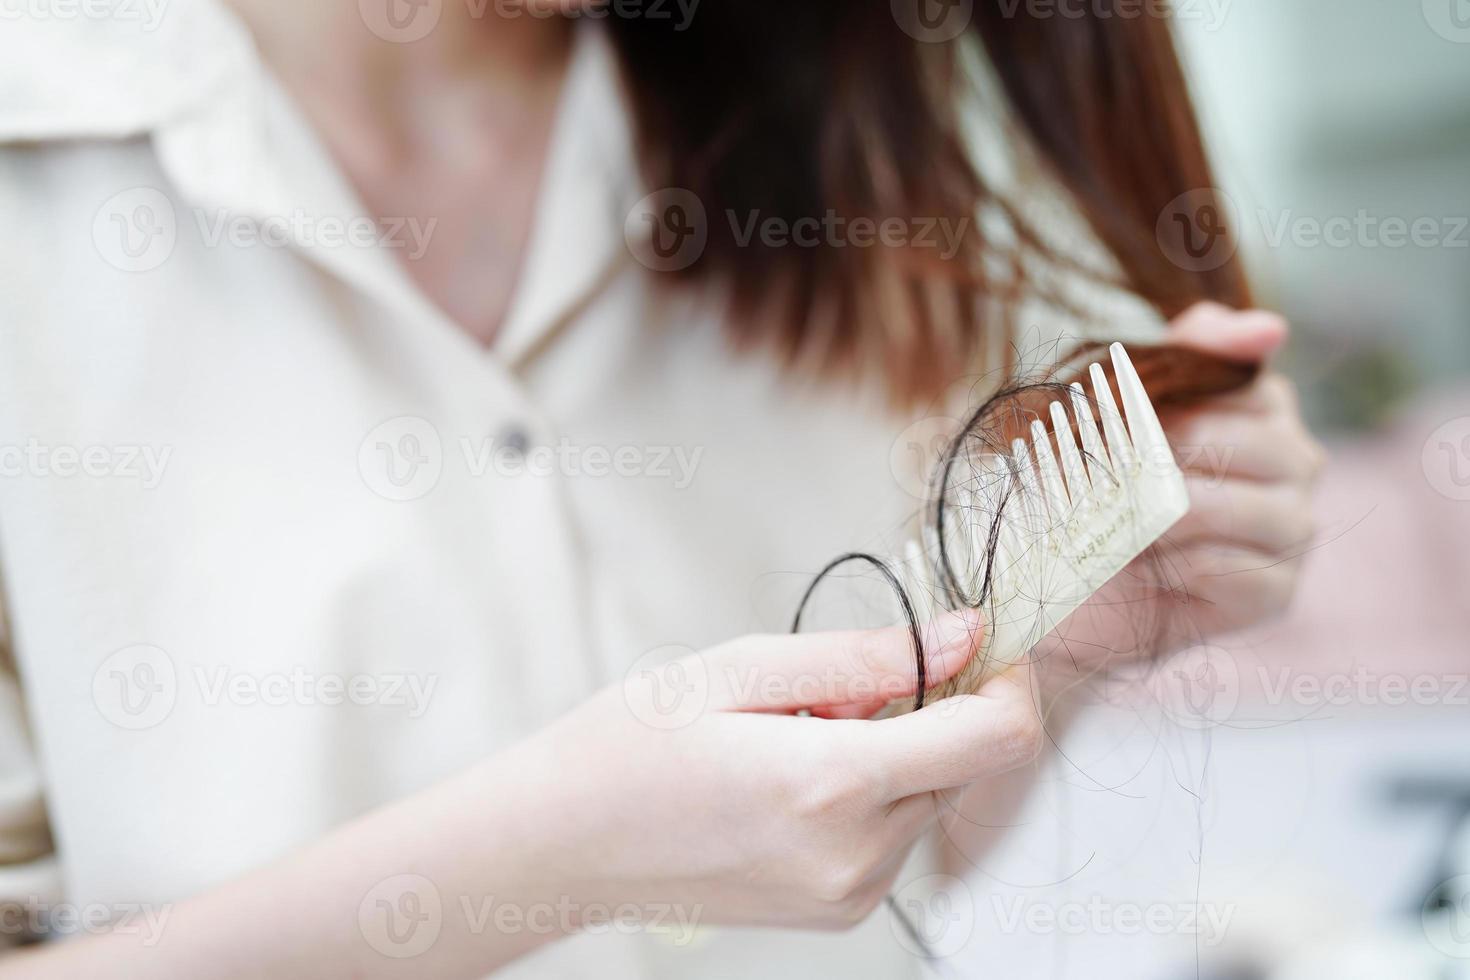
[
  {"x": 84, "y": 103},
  {"x": 65, "y": 75}
]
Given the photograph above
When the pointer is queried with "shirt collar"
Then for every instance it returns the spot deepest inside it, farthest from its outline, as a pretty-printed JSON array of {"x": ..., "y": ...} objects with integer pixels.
[
  {"x": 589, "y": 183},
  {"x": 150, "y": 62},
  {"x": 227, "y": 138}
]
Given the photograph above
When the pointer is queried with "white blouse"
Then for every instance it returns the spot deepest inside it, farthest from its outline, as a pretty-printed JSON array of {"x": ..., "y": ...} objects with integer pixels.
[{"x": 280, "y": 543}]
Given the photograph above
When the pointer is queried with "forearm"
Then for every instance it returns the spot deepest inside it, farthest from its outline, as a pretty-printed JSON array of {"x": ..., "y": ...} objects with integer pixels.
[{"x": 403, "y": 891}]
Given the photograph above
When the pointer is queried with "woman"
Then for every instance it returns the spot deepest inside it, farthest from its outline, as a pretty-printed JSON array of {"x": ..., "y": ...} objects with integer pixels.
[{"x": 322, "y": 535}]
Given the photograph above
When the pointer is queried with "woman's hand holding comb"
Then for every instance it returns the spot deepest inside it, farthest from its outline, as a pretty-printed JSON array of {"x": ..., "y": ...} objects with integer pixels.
[{"x": 1234, "y": 560}]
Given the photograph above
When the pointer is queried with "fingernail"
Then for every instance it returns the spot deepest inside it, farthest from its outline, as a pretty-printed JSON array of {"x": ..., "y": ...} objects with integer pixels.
[{"x": 955, "y": 635}]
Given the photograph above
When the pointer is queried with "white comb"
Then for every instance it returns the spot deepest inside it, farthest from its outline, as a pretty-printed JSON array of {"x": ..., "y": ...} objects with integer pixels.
[{"x": 1066, "y": 527}]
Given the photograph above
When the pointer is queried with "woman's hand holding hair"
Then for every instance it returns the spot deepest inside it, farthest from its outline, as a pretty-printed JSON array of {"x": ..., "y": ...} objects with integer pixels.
[{"x": 741, "y": 810}]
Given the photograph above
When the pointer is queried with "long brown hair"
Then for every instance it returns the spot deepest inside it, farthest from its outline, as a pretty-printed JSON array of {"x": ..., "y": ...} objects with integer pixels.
[{"x": 798, "y": 110}]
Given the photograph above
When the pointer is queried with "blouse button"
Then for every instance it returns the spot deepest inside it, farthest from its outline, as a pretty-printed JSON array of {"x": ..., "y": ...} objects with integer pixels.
[{"x": 515, "y": 441}]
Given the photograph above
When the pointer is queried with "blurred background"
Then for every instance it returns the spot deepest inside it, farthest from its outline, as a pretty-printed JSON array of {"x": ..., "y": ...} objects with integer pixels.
[{"x": 1297, "y": 803}]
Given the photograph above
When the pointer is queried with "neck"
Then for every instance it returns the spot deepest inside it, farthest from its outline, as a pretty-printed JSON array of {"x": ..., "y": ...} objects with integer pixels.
[{"x": 383, "y": 44}]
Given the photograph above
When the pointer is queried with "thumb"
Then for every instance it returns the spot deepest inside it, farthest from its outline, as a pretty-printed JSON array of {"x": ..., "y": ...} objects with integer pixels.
[
  {"x": 1236, "y": 335},
  {"x": 820, "y": 671}
]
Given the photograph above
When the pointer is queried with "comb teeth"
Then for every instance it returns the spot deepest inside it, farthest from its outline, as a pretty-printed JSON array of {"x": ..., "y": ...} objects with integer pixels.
[
  {"x": 1065, "y": 528},
  {"x": 1058, "y": 504},
  {"x": 1097, "y": 457},
  {"x": 1143, "y": 422},
  {"x": 1078, "y": 485},
  {"x": 1120, "y": 447}
]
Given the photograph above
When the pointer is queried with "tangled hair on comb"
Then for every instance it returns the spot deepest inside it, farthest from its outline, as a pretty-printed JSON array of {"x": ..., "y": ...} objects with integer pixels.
[{"x": 1172, "y": 376}]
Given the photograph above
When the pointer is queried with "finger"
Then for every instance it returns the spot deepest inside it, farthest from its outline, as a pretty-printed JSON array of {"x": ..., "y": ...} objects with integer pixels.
[
  {"x": 956, "y": 741},
  {"x": 1238, "y": 335},
  {"x": 821, "y": 671},
  {"x": 1241, "y": 586},
  {"x": 906, "y": 820},
  {"x": 1270, "y": 393},
  {"x": 1272, "y": 517},
  {"x": 1245, "y": 447}
]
